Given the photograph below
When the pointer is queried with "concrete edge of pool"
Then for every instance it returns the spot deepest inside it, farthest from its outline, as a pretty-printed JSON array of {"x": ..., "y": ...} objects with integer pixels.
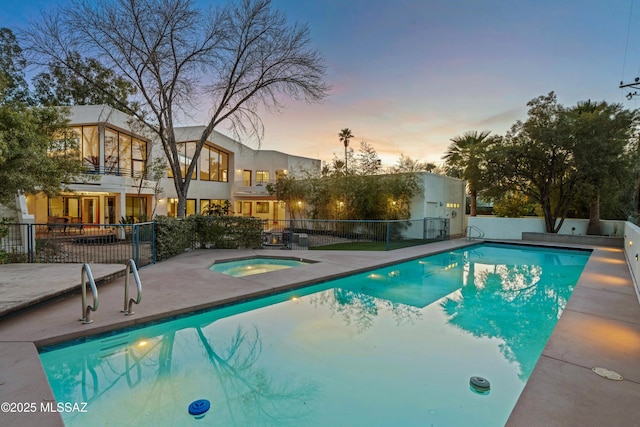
[{"x": 600, "y": 327}]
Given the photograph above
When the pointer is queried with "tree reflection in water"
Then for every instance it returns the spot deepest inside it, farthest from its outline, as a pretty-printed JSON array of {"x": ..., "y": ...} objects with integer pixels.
[
  {"x": 159, "y": 377},
  {"x": 251, "y": 394},
  {"x": 530, "y": 300},
  {"x": 360, "y": 309}
]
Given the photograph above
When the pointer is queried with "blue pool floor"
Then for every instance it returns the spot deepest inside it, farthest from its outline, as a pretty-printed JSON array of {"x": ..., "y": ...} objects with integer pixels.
[{"x": 601, "y": 326}]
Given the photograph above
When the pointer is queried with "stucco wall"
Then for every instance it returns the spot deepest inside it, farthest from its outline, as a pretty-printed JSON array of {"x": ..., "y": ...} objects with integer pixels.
[
  {"x": 443, "y": 197},
  {"x": 512, "y": 228},
  {"x": 632, "y": 251}
]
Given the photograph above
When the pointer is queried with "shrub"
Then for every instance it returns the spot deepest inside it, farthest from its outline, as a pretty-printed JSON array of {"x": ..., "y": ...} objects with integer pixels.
[
  {"x": 513, "y": 206},
  {"x": 227, "y": 232},
  {"x": 173, "y": 236}
]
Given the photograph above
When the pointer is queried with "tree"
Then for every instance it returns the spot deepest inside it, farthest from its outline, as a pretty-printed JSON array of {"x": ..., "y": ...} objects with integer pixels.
[
  {"x": 12, "y": 65},
  {"x": 234, "y": 59},
  {"x": 37, "y": 153},
  {"x": 603, "y": 133},
  {"x": 290, "y": 190},
  {"x": 345, "y": 135},
  {"x": 512, "y": 206},
  {"x": 370, "y": 195},
  {"x": 536, "y": 159},
  {"x": 367, "y": 160},
  {"x": 93, "y": 85},
  {"x": 464, "y": 159},
  {"x": 407, "y": 164}
]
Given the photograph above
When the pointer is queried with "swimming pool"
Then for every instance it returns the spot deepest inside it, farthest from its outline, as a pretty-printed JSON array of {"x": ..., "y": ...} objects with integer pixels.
[
  {"x": 255, "y": 265},
  {"x": 395, "y": 346}
]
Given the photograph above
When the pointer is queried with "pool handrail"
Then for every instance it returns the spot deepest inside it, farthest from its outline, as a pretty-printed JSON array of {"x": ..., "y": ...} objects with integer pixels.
[
  {"x": 128, "y": 303},
  {"x": 477, "y": 230},
  {"x": 87, "y": 309}
]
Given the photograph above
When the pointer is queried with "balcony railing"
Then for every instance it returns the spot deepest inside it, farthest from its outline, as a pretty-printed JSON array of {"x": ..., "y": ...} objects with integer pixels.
[
  {"x": 259, "y": 188},
  {"x": 116, "y": 171}
]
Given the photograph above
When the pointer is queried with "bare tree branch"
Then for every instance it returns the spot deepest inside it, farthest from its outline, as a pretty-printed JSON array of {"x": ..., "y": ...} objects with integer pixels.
[{"x": 234, "y": 59}]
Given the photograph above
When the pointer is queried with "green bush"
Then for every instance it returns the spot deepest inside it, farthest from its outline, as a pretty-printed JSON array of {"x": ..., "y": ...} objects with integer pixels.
[
  {"x": 227, "y": 232},
  {"x": 173, "y": 236}
]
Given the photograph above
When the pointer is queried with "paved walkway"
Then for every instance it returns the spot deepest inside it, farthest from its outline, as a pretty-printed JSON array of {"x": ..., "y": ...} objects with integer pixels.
[
  {"x": 24, "y": 285},
  {"x": 600, "y": 327}
]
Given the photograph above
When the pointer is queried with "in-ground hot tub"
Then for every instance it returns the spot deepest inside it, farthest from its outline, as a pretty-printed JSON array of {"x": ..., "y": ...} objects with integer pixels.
[{"x": 255, "y": 265}]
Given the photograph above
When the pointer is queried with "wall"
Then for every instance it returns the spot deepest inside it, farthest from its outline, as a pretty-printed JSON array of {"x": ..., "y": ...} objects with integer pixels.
[
  {"x": 512, "y": 228},
  {"x": 443, "y": 197},
  {"x": 632, "y": 252}
]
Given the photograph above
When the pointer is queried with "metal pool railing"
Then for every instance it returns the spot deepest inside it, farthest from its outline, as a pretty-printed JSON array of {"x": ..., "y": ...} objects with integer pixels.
[
  {"x": 352, "y": 234},
  {"x": 78, "y": 243}
]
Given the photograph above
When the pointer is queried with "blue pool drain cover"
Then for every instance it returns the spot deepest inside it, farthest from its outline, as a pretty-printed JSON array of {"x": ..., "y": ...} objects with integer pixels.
[{"x": 199, "y": 407}]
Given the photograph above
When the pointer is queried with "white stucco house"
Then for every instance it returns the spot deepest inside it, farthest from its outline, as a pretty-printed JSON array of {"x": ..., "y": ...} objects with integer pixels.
[{"x": 115, "y": 150}]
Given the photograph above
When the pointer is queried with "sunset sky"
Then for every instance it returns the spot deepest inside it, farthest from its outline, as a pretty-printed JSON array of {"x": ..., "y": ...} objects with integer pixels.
[{"x": 409, "y": 75}]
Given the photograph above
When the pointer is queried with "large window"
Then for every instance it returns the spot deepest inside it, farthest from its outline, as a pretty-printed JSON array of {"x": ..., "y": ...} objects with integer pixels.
[
  {"x": 262, "y": 207},
  {"x": 111, "y": 151},
  {"x": 186, "y": 151},
  {"x": 65, "y": 206},
  {"x": 213, "y": 164},
  {"x": 262, "y": 177},
  {"x": 123, "y": 154},
  {"x": 136, "y": 208},
  {"x": 172, "y": 207},
  {"x": 224, "y": 167},
  {"x": 214, "y": 205},
  {"x": 246, "y": 178},
  {"x": 88, "y": 146},
  {"x": 138, "y": 156}
]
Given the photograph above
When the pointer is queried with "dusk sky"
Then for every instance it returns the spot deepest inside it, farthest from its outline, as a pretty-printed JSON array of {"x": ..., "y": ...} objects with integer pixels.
[{"x": 409, "y": 75}]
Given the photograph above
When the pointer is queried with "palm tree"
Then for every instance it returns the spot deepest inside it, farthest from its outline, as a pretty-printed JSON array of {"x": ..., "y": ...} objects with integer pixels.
[
  {"x": 345, "y": 135},
  {"x": 463, "y": 160}
]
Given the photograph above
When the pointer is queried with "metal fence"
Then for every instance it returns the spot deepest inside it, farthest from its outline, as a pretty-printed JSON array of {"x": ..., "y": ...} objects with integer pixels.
[
  {"x": 352, "y": 234},
  {"x": 78, "y": 243},
  {"x": 117, "y": 243}
]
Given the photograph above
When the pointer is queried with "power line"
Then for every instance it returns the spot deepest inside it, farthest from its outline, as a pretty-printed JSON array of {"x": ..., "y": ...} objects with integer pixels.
[{"x": 636, "y": 83}]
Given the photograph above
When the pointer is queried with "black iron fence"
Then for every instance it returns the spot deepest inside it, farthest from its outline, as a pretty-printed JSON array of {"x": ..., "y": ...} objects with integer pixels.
[
  {"x": 352, "y": 234},
  {"x": 69, "y": 242},
  {"x": 63, "y": 242}
]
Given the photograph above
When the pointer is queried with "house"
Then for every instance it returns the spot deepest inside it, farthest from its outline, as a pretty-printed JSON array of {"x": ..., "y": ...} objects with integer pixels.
[
  {"x": 116, "y": 149},
  {"x": 231, "y": 171}
]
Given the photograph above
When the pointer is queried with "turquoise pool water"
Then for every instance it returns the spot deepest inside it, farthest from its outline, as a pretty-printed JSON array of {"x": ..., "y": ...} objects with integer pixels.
[
  {"x": 392, "y": 347},
  {"x": 250, "y": 266}
]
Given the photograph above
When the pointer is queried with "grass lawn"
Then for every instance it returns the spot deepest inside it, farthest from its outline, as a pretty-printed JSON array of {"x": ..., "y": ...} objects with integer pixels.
[{"x": 370, "y": 246}]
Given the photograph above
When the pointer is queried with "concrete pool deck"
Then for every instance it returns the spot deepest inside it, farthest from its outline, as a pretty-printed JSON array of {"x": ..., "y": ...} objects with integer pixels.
[{"x": 600, "y": 327}]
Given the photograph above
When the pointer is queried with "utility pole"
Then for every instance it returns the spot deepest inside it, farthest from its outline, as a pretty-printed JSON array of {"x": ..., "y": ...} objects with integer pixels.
[{"x": 634, "y": 85}]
